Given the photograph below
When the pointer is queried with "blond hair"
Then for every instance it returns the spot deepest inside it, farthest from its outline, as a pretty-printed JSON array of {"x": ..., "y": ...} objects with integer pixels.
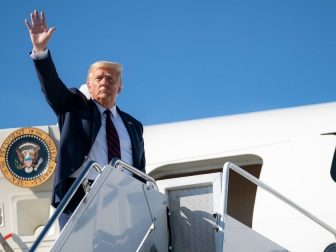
[{"x": 113, "y": 67}]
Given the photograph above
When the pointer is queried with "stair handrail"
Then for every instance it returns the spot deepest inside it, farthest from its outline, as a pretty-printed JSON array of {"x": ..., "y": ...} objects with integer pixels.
[
  {"x": 225, "y": 188},
  {"x": 115, "y": 162},
  {"x": 65, "y": 201},
  {"x": 4, "y": 243}
]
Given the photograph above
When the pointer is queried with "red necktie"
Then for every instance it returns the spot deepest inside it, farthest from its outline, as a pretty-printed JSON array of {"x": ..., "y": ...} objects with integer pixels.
[{"x": 112, "y": 138}]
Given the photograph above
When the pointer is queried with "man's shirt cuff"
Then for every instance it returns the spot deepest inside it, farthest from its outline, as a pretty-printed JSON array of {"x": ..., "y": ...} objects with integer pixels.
[{"x": 39, "y": 55}]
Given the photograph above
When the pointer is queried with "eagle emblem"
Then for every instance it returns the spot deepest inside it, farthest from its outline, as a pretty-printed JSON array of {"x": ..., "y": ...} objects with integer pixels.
[{"x": 28, "y": 157}]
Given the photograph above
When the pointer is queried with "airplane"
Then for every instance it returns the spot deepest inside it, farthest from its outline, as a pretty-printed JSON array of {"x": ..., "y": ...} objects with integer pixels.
[{"x": 284, "y": 203}]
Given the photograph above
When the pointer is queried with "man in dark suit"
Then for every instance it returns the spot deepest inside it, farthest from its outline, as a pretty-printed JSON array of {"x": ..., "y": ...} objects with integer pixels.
[{"x": 85, "y": 124}]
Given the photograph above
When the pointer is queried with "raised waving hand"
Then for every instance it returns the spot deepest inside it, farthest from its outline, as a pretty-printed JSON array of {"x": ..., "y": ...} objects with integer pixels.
[{"x": 39, "y": 33}]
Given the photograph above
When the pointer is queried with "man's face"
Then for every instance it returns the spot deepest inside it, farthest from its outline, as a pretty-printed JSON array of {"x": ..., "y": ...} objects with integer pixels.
[{"x": 104, "y": 87}]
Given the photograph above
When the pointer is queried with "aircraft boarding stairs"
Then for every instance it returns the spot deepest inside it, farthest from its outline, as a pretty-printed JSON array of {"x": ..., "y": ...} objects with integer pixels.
[{"x": 122, "y": 213}]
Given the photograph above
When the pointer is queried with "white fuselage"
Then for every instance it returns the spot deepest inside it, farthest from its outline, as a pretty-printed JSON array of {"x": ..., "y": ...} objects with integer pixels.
[{"x": 291, "y": 146}]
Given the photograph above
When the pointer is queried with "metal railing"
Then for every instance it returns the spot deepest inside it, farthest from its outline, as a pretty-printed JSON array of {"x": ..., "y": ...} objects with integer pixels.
[
  {"x": 65, "y": 201},
  {"x": 4, "y": 244},
  {"x": 225, "y": 183},
  {"x": 117, "y": 163}
]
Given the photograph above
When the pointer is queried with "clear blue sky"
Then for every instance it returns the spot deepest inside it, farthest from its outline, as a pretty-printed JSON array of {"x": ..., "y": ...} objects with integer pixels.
[{"x": 182, "y": 59}]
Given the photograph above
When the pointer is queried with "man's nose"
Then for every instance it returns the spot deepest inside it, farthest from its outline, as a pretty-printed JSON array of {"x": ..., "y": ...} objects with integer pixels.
[{"x": 105, "y": 80}]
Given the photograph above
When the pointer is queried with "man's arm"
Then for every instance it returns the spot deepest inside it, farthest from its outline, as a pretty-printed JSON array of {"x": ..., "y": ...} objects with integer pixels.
[{"x": 55, "y": 92}]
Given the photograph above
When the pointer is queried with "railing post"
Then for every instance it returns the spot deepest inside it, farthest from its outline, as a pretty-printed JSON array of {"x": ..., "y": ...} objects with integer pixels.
[
  {"x": 68, "y": 196},
  {"x": 227, "y": 166},
  {"x": 115, "y": 162}
]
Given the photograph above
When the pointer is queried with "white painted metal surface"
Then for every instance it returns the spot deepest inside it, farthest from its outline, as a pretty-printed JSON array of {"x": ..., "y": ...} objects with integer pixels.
[
  {"x": 116, "y": 216},
  {"x": 295, "y": 159},
  {"x": 225, "y": 185},
  {"x": 239, "y": 238}
]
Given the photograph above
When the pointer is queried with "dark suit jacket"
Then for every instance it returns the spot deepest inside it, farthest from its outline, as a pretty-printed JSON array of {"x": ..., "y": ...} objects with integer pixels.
[{"x": 79, "y": 122}]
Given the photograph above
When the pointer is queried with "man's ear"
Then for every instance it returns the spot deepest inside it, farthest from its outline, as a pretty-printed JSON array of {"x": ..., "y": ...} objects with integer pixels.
[{"x": 120, "y": 88}]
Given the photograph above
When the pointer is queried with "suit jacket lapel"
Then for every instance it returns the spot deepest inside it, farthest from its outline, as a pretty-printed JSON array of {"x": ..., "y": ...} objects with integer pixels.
[
  {"x": 96, "y": 121},
  {"x": 131, "y": 131}
]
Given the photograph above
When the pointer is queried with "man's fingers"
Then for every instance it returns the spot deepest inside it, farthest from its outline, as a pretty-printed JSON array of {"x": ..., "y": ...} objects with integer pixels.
[
  {"x": 51, "y": 30},
  {"x": 43, "y": 20},
  {"x": 32, "y": 18},
  {"x": 37, "y": 18},
  {"x": 28, "y": 25},
  {"x": 35, "y": 15}
]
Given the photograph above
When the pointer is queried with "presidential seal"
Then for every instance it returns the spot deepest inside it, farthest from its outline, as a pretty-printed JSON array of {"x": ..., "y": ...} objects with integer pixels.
[{"x": 27, "y": 157}]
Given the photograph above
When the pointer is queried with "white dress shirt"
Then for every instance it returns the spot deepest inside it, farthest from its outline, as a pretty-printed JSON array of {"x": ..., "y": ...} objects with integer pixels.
[{"x": 98, "y": 150}]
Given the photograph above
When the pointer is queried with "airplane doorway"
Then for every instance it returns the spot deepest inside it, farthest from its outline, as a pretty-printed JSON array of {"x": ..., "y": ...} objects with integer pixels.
[{"x": 241, "y": 194}]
